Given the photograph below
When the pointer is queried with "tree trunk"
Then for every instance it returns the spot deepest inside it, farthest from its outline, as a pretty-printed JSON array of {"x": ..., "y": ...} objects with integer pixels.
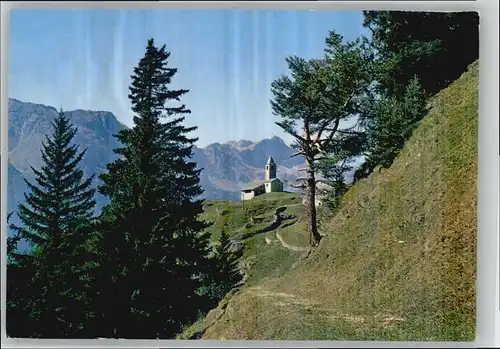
[{"x": 312, "y": 228}]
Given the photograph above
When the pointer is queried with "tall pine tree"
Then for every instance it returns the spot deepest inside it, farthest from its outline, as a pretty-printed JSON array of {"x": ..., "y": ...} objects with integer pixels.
[
  {"x": 315, "y": 103},
  {"x": 54, "y": 221},
  {"x": 152, "y": 237}
]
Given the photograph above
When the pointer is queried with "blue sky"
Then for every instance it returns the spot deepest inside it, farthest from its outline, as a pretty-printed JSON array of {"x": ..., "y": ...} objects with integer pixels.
[{"x": 83, "y": 59}]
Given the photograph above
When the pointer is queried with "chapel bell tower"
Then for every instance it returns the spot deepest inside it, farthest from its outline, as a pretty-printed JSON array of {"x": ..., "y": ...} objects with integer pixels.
[{"x": 270, "y": 169}]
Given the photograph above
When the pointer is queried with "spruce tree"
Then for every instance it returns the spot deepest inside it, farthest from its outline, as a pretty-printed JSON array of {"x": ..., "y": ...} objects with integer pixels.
[
  {"x": 225, "y": 275},
  {"x": 406, "y": 46},
  {"x": 392, "y": 122},
  {"x": 19, "y": 324},
  {"x": 151, "y": 233},
  {"x": 57, "y": 213}
]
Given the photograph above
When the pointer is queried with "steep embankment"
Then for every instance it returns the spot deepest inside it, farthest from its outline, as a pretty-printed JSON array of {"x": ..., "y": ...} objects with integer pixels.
[{"x": 397, "y": 262}]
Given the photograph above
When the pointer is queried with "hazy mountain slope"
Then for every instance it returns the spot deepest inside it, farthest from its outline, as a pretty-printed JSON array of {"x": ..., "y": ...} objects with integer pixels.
[
  {"x": 227, "y": 167},
  {"x": 253, "y": 153},
  {"x": 28, "y": 125},
  {"x": 397, "y": 262},
  {"x": 15, "y": 180}
]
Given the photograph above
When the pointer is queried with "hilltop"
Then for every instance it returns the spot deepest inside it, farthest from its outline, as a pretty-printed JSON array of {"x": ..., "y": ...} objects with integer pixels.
[{"x": 397, "y": 262}]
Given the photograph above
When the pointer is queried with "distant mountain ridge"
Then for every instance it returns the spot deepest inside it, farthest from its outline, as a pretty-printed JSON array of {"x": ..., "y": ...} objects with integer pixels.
[{"x": 226, "y": 166}]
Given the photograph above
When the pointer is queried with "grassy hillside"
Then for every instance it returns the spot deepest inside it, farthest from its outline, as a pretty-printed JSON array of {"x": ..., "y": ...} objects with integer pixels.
[
  {"x": 396, "y": 263},
  {"x": 264, "y": 255}
]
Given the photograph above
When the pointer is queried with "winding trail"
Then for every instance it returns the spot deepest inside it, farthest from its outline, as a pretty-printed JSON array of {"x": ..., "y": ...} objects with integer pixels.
[
  {"x": 286, "y": 245},
  {"x": 291, "y": 302},
  {"x": 292, "y": 205},
  {"x": 280, "y": 238}
]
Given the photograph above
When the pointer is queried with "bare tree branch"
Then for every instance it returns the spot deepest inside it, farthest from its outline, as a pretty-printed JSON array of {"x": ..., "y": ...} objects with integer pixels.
[
  {"x": 343, "y": 162},
  {"x": 321, "y": 181},
  {"x": 330, "y": 120},
  {"x": 299, "y": 186},
  {"x": 289, "y": 131},
  {"x": 349, "y": 132},
  {"x": 326, "y": 142},
  {"x": 307, "y": 131}
]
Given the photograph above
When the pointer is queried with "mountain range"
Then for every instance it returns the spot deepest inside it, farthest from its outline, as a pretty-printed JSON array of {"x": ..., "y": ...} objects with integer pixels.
[{"x": 226, "y": 166}]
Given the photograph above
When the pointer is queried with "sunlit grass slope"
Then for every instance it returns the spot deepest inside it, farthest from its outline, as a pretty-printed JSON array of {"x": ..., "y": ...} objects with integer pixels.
[{"x": 397, "y": 262}]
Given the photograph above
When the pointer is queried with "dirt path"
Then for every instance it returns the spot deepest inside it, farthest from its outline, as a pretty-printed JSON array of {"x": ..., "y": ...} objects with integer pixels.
[
  {"x": 286, "y": 245},
  {"x": 292, "y": 205},
  {"x": 288, "y": 299}
]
